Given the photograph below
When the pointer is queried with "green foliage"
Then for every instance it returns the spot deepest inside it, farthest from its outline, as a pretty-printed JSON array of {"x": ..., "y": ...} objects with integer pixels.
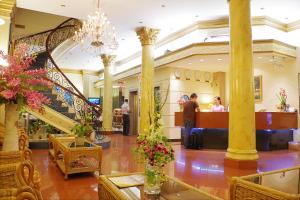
[
  {"x": 153, "y": 146},
  {"x": 81, "y": 130}
]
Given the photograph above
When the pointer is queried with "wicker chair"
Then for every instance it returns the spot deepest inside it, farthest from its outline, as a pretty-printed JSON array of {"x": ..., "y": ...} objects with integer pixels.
[
  {"x": 273, "y": 185},
  {"x": 14, "y": 157},
  {"x": 17, "y": 182}
]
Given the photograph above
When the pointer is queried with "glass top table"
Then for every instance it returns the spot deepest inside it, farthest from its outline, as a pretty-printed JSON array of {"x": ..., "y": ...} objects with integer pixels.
[{"x": 172, "y": 189}]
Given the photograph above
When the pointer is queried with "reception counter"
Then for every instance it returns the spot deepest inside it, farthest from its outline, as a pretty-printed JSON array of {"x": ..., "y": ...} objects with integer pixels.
[{"x": 273, "y": 129}]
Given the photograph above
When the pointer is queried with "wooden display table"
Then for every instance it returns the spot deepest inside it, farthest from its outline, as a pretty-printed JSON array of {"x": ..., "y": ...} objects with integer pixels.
[
  {"x": 172, "y": 189},
  {"x": 71, "y": 158}
]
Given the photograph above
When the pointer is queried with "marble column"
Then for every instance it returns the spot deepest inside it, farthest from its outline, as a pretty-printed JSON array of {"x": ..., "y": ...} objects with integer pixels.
[
  {"x": 107, "y": 95},
  {"x": 147, "y": 37},
  {"x": 241, "y": 150}
]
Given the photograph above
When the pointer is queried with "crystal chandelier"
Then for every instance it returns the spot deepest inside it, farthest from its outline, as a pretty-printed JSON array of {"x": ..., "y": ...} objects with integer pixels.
[{"x": 97, "y": 35}]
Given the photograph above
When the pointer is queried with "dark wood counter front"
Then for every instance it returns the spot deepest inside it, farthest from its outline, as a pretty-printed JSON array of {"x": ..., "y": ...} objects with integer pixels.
[{"x": 264, "y": 120}]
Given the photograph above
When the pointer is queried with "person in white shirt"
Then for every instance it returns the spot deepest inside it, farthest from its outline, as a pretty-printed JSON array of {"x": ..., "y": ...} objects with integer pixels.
[
  {"x": 217, "y": 107},
  {"x": 126, "y": 119}
]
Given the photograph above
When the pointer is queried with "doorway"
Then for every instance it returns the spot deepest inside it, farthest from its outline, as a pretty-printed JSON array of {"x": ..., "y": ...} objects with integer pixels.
[{"x": 133, "y": 105}]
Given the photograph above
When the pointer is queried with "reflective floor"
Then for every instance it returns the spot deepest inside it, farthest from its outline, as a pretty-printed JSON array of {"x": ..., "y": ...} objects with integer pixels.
[{"x": 200, "y": 168}]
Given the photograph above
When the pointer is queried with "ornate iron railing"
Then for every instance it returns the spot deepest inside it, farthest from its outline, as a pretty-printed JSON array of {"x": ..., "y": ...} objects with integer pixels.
[{"x": 63, "y": 87}]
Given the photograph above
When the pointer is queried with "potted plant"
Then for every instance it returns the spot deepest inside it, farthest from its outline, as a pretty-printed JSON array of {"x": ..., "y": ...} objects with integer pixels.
[
  {"x": 282, "y": 97},
  {"x": 80, "y": 131},
  {"x": 155, "y": 152}
]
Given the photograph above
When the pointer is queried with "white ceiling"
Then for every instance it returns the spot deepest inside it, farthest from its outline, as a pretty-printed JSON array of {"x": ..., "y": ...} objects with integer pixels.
[{"x": 127, "y": 15}]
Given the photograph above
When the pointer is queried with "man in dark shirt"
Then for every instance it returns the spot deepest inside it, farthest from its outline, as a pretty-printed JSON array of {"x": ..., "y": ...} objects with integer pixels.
[{"x": 189, "y": 109}]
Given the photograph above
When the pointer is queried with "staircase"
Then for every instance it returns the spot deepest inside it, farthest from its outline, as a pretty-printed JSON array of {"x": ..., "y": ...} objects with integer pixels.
[{"x": 68, "y": 106}]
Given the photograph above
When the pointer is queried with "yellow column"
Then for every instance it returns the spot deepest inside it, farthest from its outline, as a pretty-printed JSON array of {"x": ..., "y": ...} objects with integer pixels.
[
  {"x": 107, "y": 95},
  {"x": 242, "y": 140},
  {"x": 147, "y": 37}
]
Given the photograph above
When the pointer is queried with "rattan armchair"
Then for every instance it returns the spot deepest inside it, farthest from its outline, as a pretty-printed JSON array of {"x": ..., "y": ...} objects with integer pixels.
[
  {"x": 17, "y": 182},
  {"x": 274, "y": 185},
  {"x": 24, "y": 153}
]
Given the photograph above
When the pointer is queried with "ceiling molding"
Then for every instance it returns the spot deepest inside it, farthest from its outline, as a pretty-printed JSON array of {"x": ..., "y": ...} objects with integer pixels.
[
  {"x": 79, "y": 71},
  {"x": 218, "y": 23},
  {"x": 212, "y": 48},
  {"x": 293, "y": 26},
  {"x": 7, "y": 7}
]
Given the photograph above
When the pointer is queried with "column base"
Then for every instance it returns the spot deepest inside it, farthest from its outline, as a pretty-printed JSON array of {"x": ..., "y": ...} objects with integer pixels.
[{"x": 240, "y": 164}]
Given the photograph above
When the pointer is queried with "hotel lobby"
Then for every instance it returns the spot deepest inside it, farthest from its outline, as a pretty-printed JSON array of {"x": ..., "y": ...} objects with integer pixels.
[{"x": 140, "y": 99}]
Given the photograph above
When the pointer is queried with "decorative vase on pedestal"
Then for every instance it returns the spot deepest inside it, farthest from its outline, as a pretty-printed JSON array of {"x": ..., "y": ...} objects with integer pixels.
[
  {"x": 153, "y": 180},
  {"x": 10, "y": 142}
]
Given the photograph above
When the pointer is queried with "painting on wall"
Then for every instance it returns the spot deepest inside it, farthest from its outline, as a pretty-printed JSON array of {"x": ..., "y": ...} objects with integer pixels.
[{"x": 258, "y": 88}]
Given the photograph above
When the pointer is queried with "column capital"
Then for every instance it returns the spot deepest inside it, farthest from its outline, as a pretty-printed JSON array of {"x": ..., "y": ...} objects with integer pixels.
[
  {"x": 7, "y": 7},
  {"x": 107, "y": 59},
  {"x": 147, "y": 35}
]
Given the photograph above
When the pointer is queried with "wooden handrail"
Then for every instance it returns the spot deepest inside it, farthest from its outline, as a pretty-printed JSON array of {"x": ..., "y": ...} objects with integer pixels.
[{"x": 48, "y": 50}]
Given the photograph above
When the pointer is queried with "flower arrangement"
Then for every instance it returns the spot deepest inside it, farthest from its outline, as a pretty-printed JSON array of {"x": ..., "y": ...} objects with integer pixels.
[
  {"x": 155, "y": 151},
  {"x": 21, "y": 85},
  {"x": 282, "y": 97}
]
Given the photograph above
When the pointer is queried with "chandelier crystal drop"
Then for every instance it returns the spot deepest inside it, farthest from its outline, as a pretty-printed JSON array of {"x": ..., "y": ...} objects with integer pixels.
[{"x": 97, "y": 35}]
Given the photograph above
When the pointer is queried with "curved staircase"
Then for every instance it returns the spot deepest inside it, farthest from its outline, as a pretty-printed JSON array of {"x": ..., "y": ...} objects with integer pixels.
[{"x": 68, "y": 105}]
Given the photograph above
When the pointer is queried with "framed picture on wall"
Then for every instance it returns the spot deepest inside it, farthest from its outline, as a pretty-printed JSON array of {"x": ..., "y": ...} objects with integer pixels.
[{"x": 258, "y": 88}]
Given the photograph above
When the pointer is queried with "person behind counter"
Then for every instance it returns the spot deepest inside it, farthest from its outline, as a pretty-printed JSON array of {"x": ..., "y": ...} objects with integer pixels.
[
  {"x": 217, "y": 107},
  {"x": 189, "y": 109}
]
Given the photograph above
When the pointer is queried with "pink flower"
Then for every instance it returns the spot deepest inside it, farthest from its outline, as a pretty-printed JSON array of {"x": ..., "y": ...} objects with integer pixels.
[
  {"x": 8, "y": 94},
  {"x": 14, "y": 82}
]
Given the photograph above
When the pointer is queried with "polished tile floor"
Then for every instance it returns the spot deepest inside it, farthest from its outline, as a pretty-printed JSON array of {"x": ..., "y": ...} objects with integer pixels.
[{"x": 200, "y": 168}]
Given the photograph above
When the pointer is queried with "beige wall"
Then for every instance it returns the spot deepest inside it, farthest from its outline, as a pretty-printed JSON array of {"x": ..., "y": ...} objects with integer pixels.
[
  {"x": 85, "y": 83},
  {"x": 164, "y": 78},
  {"x": 4, "y": 34},
  {"x": 35, "y": 21},
  {"x": 76, "y": 79},
  {"x": 274, "y": 78}
]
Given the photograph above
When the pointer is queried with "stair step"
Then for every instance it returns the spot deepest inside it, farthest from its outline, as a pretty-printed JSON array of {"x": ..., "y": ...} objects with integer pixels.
[
  {"x": 70, "y": 115},
  {"x": 59, "y": 108},
  {"x": 51, "y": 96}
]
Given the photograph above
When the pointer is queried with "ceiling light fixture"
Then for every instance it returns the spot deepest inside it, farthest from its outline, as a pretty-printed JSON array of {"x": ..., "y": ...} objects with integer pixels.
[
  {"x": 219, "y": 59},
  {"x": 190, "y": 63},
  {"x": 2, "y": 21},
  {"x": 259, "y": 57},
  {"x": 62, "y": 5},
  {"x": 97, "y": 35}
]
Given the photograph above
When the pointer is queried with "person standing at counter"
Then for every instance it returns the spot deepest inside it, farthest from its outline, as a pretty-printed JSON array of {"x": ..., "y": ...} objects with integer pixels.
[
  {"x": 217, "y": 107},
  {"x": 189, "y": 110}
]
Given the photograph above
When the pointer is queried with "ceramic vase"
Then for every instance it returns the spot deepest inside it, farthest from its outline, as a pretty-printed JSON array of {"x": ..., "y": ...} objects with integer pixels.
[{"x": 10, "y": 142}]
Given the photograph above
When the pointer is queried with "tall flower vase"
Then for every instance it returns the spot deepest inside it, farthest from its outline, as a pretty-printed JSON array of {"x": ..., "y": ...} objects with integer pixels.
[
  {"x": 153, "y": 180},
  {"x": 10, "y": 142}
]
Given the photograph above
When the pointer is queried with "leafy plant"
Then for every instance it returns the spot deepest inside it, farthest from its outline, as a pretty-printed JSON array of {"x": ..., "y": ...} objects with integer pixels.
[
  {"x": 81, "y": 130},
  {"x": 153, "y": 146}
]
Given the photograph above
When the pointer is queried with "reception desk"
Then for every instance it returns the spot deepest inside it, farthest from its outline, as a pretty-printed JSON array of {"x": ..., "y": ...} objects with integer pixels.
[{"x": 273, "y": 129}]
